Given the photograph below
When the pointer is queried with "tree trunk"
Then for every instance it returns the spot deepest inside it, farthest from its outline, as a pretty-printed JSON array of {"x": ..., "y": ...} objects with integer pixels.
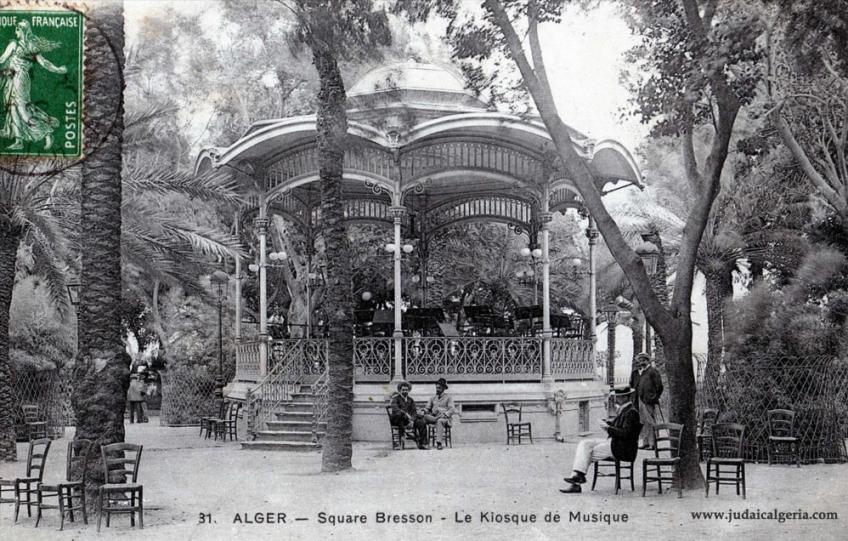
[
  {"x": 681, "y": 392},
  {"x": 101, "y": 372},
  {"x": 331, "y": 125},
  {"x": 9, "y": 240},
  {"x": 637, "y": 330}
]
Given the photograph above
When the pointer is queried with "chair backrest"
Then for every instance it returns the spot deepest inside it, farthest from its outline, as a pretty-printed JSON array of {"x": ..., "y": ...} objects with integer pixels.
[
  {"x": 235, "y": 409},
  {"x": 79, "y": 452},
  {"x": 36, "y": 457},
  {"x": 116, "y": 458},
  {"x": 222, "y": 409},
  {"x": 709, "y": 417},
  {"x": 728, "y": 439},
  {"x": 667, "y": 436},
  {"x": 512, "y": 409},
  {"x": 31, "y": 413},
  {"x": 781, "y": 422}
]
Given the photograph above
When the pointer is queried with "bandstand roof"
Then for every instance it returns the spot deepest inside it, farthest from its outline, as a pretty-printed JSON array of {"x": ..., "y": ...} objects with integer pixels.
[{"x": 415, "y": 129}]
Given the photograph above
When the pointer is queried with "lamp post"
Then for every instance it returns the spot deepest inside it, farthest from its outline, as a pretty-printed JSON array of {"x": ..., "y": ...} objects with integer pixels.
[
  {"x": 531, "y": 275},
  {"x": 220, "y": 279},
  {"x": 73, "y": 293},
  {"x": 610, "y": 311}
]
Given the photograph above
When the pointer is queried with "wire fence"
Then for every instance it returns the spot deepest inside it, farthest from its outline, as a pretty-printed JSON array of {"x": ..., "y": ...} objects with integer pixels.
[
  {"x": 815, "y": 388},
  {"x": 188, "y": 393},
  {"x": 50, "y": 390}
]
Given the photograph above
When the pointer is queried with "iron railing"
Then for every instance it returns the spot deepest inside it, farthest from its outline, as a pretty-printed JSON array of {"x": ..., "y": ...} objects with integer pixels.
[
  {"x": 248, "y": 362},
  {"x": 274, "y": 390},
  {"x": 475, "y": 358},
  {"x": 321, "y": 391},
  {"x": 571, "y": 359}
]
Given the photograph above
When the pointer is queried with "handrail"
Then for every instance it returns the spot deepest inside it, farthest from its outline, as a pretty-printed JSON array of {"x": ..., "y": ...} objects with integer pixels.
[
  {"x": 321, "y": 392},
  {"x": 272, "y": 392}
]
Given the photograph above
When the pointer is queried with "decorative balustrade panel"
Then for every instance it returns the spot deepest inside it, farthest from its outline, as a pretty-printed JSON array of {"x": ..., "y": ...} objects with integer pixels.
[
  {"x": 307, "y": 355},
  {"x": 571, "y": 359},
  {"x": 372, "y": 359},
  {"x": 248, "y": 361},
  {"x": 473, "y": 358},
  {"x": 473, "y": 155}
]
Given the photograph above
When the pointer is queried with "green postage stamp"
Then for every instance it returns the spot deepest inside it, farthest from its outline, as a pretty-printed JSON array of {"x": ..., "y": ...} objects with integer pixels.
[{"x": 41, "y": 79}]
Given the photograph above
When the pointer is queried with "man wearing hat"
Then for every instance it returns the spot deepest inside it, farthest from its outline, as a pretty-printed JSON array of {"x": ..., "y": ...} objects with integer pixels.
[
  {"x": 439, "y": 410},
  {"x": 649, "y": 388},
  {"x": 403, "y": 414},
  {"x": 622, "y": 442}
]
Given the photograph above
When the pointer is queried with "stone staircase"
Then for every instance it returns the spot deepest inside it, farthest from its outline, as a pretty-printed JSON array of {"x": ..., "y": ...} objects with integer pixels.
[{"x": 292, "y": 429}]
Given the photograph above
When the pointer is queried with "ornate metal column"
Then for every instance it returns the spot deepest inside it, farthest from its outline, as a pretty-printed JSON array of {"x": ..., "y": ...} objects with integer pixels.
[
  {"x": 238, "y": 292},
  {"x": 397, "y": 212},
  {"x": 592, "y": 235},
  {"x": 261, "y": 224},
  {"x": 545, "y": 217}
]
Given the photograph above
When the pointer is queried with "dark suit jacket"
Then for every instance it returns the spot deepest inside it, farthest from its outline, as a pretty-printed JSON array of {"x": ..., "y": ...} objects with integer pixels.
[
  {"x": 624, "y": 431},
  {"x": 650, "y": 386},
  {"x": 398, "y": 404}
]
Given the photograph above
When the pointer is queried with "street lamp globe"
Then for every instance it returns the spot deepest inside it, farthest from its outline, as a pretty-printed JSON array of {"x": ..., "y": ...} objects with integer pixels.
[
  {"x": 366, "y": 296},
  {"x": 537, "y": 252},
  {"x": 525, "y": 252},
  {"x": 649, "y": 254}
]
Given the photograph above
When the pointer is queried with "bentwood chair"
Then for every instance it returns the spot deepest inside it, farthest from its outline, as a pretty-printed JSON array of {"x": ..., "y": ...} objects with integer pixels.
[
  {"x": 663, "y": 466},
  {"x": 704, "y": 436},
  {"x": 401, "y": 433},
  {"x": 516, "y": 429},
  {"x": 27, "y": 485},
  {"x": 121, "y": 494},
  {"x": 73, "y": 488},
  {"x": 727, "y": 453},
  {"x": 781, "y": 440},
  {"x": 206, "y": 422},
  {"x": 228, "y": 426}
]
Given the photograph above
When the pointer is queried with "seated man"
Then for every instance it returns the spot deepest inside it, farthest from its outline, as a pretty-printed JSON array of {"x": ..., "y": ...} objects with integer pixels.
[
  {"x": 622, "y": 442},
  {"x": 439, "y": 410},
  {"x": 404, "y": 415}
]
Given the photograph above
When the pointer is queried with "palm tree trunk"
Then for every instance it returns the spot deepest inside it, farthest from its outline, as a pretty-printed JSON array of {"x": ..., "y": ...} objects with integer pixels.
[
  {"x": 9, "y": 240},
  {"x": 719, "y": 288},
  {"x": 332, "y": 131},
  {"x": 101, "y": 372}
]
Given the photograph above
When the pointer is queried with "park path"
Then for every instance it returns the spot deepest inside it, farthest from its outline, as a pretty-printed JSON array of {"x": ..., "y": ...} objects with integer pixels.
[{"x": 470, "y": 492}]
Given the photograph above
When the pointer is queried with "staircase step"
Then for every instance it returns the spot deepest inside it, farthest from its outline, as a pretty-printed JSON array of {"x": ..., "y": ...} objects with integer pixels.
[
  {"x": 280, "y": 446},
  {"x": 284, "y": 435},
  {"x": 299, "y": 398},
  {"x": 297, "y": 426},
  {"x": 294, "y": 415},
  {"x": 294, "y": 407}
]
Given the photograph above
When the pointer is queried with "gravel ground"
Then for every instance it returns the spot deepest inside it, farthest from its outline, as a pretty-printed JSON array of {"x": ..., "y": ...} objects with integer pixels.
[{"x": 470, "y": 491}]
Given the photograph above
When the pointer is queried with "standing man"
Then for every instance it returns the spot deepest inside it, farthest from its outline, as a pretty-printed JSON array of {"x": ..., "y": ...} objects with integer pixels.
[
  {"x": 439, "y": 410},
  {"x": 622, "y": 442},
  {"x": 404, "y": 415},
  {"x": 135, "y": 397},
  {"x": 649, "y": 388}
]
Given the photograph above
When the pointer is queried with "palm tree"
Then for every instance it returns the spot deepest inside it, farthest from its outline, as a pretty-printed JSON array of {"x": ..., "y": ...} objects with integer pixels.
[{"x": 25, "y": 217}]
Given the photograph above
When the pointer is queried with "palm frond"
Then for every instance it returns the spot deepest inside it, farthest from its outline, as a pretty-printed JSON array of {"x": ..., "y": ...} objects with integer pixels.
[
  {"x": 54, "y": 271},
  {"x": 215, "y": 186}
]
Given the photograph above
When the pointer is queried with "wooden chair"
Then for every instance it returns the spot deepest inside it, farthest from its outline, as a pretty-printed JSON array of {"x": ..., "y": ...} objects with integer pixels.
[
  {"x": 709, "y": 417},
  {"x": 205, "y": 421},
  {"x": 35, "y": 423},
  {"x": 117, "y": 495},
  {"x": 663, "y": 466},
  {"x": 727, "y": 451},
  {"x": 27, "y": 485},
  {"x": 228, "y": 426},
  {"x": 515, "y": 430},
  {"x": 431, "y": 435},
  {"x": 400, "y": 434},
  {"x": 73, "y": 486},
  {"x": 780, "y": 425},
  {"x": 622, "y": 471}
]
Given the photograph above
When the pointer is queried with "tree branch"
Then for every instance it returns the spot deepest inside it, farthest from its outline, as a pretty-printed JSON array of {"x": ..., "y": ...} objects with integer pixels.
[
  {"x": 582, "y": 177},
  {"x": 690, "y": 161},
  {"x": 830, "y": 195}
]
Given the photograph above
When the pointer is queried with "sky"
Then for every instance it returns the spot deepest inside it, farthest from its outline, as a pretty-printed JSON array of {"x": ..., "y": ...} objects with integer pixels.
[{"x": 584, "y": 57}]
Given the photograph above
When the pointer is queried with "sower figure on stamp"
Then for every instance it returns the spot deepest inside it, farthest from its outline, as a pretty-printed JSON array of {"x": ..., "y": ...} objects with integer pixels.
[
  {"x": 405, "y": 415},
  {"x": 622, "y": 442},
  {"x": 439, "y": 410},
  {"x": 649, "y": 388}
]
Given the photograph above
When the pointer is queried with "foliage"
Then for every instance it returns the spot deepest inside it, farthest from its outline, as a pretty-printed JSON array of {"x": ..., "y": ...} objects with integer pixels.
[{"x": 39, "y": 339}]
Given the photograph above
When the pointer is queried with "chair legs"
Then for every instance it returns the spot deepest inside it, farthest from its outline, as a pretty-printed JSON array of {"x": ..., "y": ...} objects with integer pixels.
[
  {"x": 618, "y": 468},
  {"x": 136, "y": 505}
]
